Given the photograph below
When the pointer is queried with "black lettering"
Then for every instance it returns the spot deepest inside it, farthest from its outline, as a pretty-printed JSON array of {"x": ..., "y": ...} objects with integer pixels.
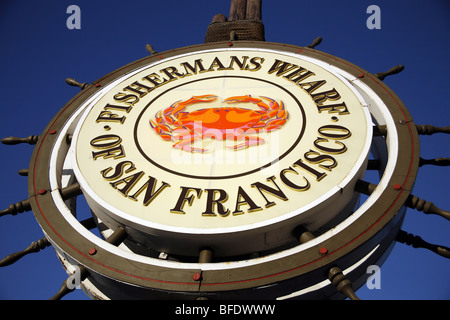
[
  {"x": 183, "y": 198},
  {"x": 312, "y": 86},
  {"x": 119, "y": 170},
  {"x": 281, "y": 67},
  {"x": 106, "y": 141},
  {"x": 246, "y": 201},
  {"x": 129, "y": 182},
  {"x": 320, "y": 98},
  {"x": 292, "y": 185},
  {"x": 320, "y": 147},
  {"x": 343, "y": 132},
  {"x": 235, "y": 59},
  {"x": 315, "y": 157},
  {"x": 172, "y": 73},
  {"x": 319, "y": 175},
  {"x": 275, "y": 192},
  {"x": 111, "y": 145},
  {"x": 108, "y": 116},
  {"x": 197, "y": 64},
  {"x": 138, "y": 88},
  {"x": 211, "y": 202},
  {"x": 115, "y": 152},
  {"x": 150, "y": 194},
  {"x": 216, "y": 63},
  {"x": 118, "y": 108},
  {"x": 299, "y": 75},
  {"x": 341, "y": 108},
  {"x": 155, "y": 79},
  {"x": 257, "y": 65},
  {"x": 129, "y": 99}
]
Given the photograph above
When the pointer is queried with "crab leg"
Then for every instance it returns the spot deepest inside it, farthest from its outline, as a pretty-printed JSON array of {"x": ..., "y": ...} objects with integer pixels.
[
  {"x": 249, "y": 141},
  {"x": 271, "y": 110},
  {"x": 186, "y": 145}
]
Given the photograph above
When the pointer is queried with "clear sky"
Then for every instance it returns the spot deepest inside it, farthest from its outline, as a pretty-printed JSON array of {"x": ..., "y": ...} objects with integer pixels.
[{"x": 38, "y": 52}]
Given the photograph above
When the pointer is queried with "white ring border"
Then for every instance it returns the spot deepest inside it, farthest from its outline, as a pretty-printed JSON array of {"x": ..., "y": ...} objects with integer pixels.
[
  {"x": 152, "y": 225},
  {"x": 391, "y": 142}
]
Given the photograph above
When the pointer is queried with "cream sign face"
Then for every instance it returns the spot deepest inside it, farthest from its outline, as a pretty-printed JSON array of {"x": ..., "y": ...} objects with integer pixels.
[{"x": 223, "y": 141}]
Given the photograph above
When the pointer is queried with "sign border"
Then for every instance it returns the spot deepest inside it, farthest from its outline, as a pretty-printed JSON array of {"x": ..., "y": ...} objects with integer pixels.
[{"x": 362, "y": 237}]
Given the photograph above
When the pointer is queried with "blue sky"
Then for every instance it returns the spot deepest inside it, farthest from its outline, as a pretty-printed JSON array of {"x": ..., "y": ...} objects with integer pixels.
[{"x": 38, "y": 52}]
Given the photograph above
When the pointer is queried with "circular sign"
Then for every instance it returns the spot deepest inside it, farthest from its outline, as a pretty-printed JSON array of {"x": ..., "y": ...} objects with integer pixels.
[
  {"x": 173, "y": 154},
  {"x": 228, "y": 148}
]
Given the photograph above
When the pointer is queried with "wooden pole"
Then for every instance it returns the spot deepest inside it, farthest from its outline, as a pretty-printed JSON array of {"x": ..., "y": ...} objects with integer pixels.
[
  {"x": 237, "y": 10},
  {"x": 254, "y": 10},
  {"x": 244, "y": 23}
]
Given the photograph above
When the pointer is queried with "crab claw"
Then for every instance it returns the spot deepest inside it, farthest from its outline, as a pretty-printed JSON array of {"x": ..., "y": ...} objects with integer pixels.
[
  {"x": 246, "y": 98},
  {"x": 181, "y": 105},
  {"x": 237, "y": 98},
  {"x": 206, "y": 97},
  {"x": 197, "y": 99}
]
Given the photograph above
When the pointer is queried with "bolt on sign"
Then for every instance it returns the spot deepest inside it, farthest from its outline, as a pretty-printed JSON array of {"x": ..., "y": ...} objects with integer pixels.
[{"x": 248, "y": 142}]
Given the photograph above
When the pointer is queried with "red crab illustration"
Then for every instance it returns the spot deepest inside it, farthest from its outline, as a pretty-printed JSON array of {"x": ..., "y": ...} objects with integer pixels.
[{"x": 222, "y": 123}]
